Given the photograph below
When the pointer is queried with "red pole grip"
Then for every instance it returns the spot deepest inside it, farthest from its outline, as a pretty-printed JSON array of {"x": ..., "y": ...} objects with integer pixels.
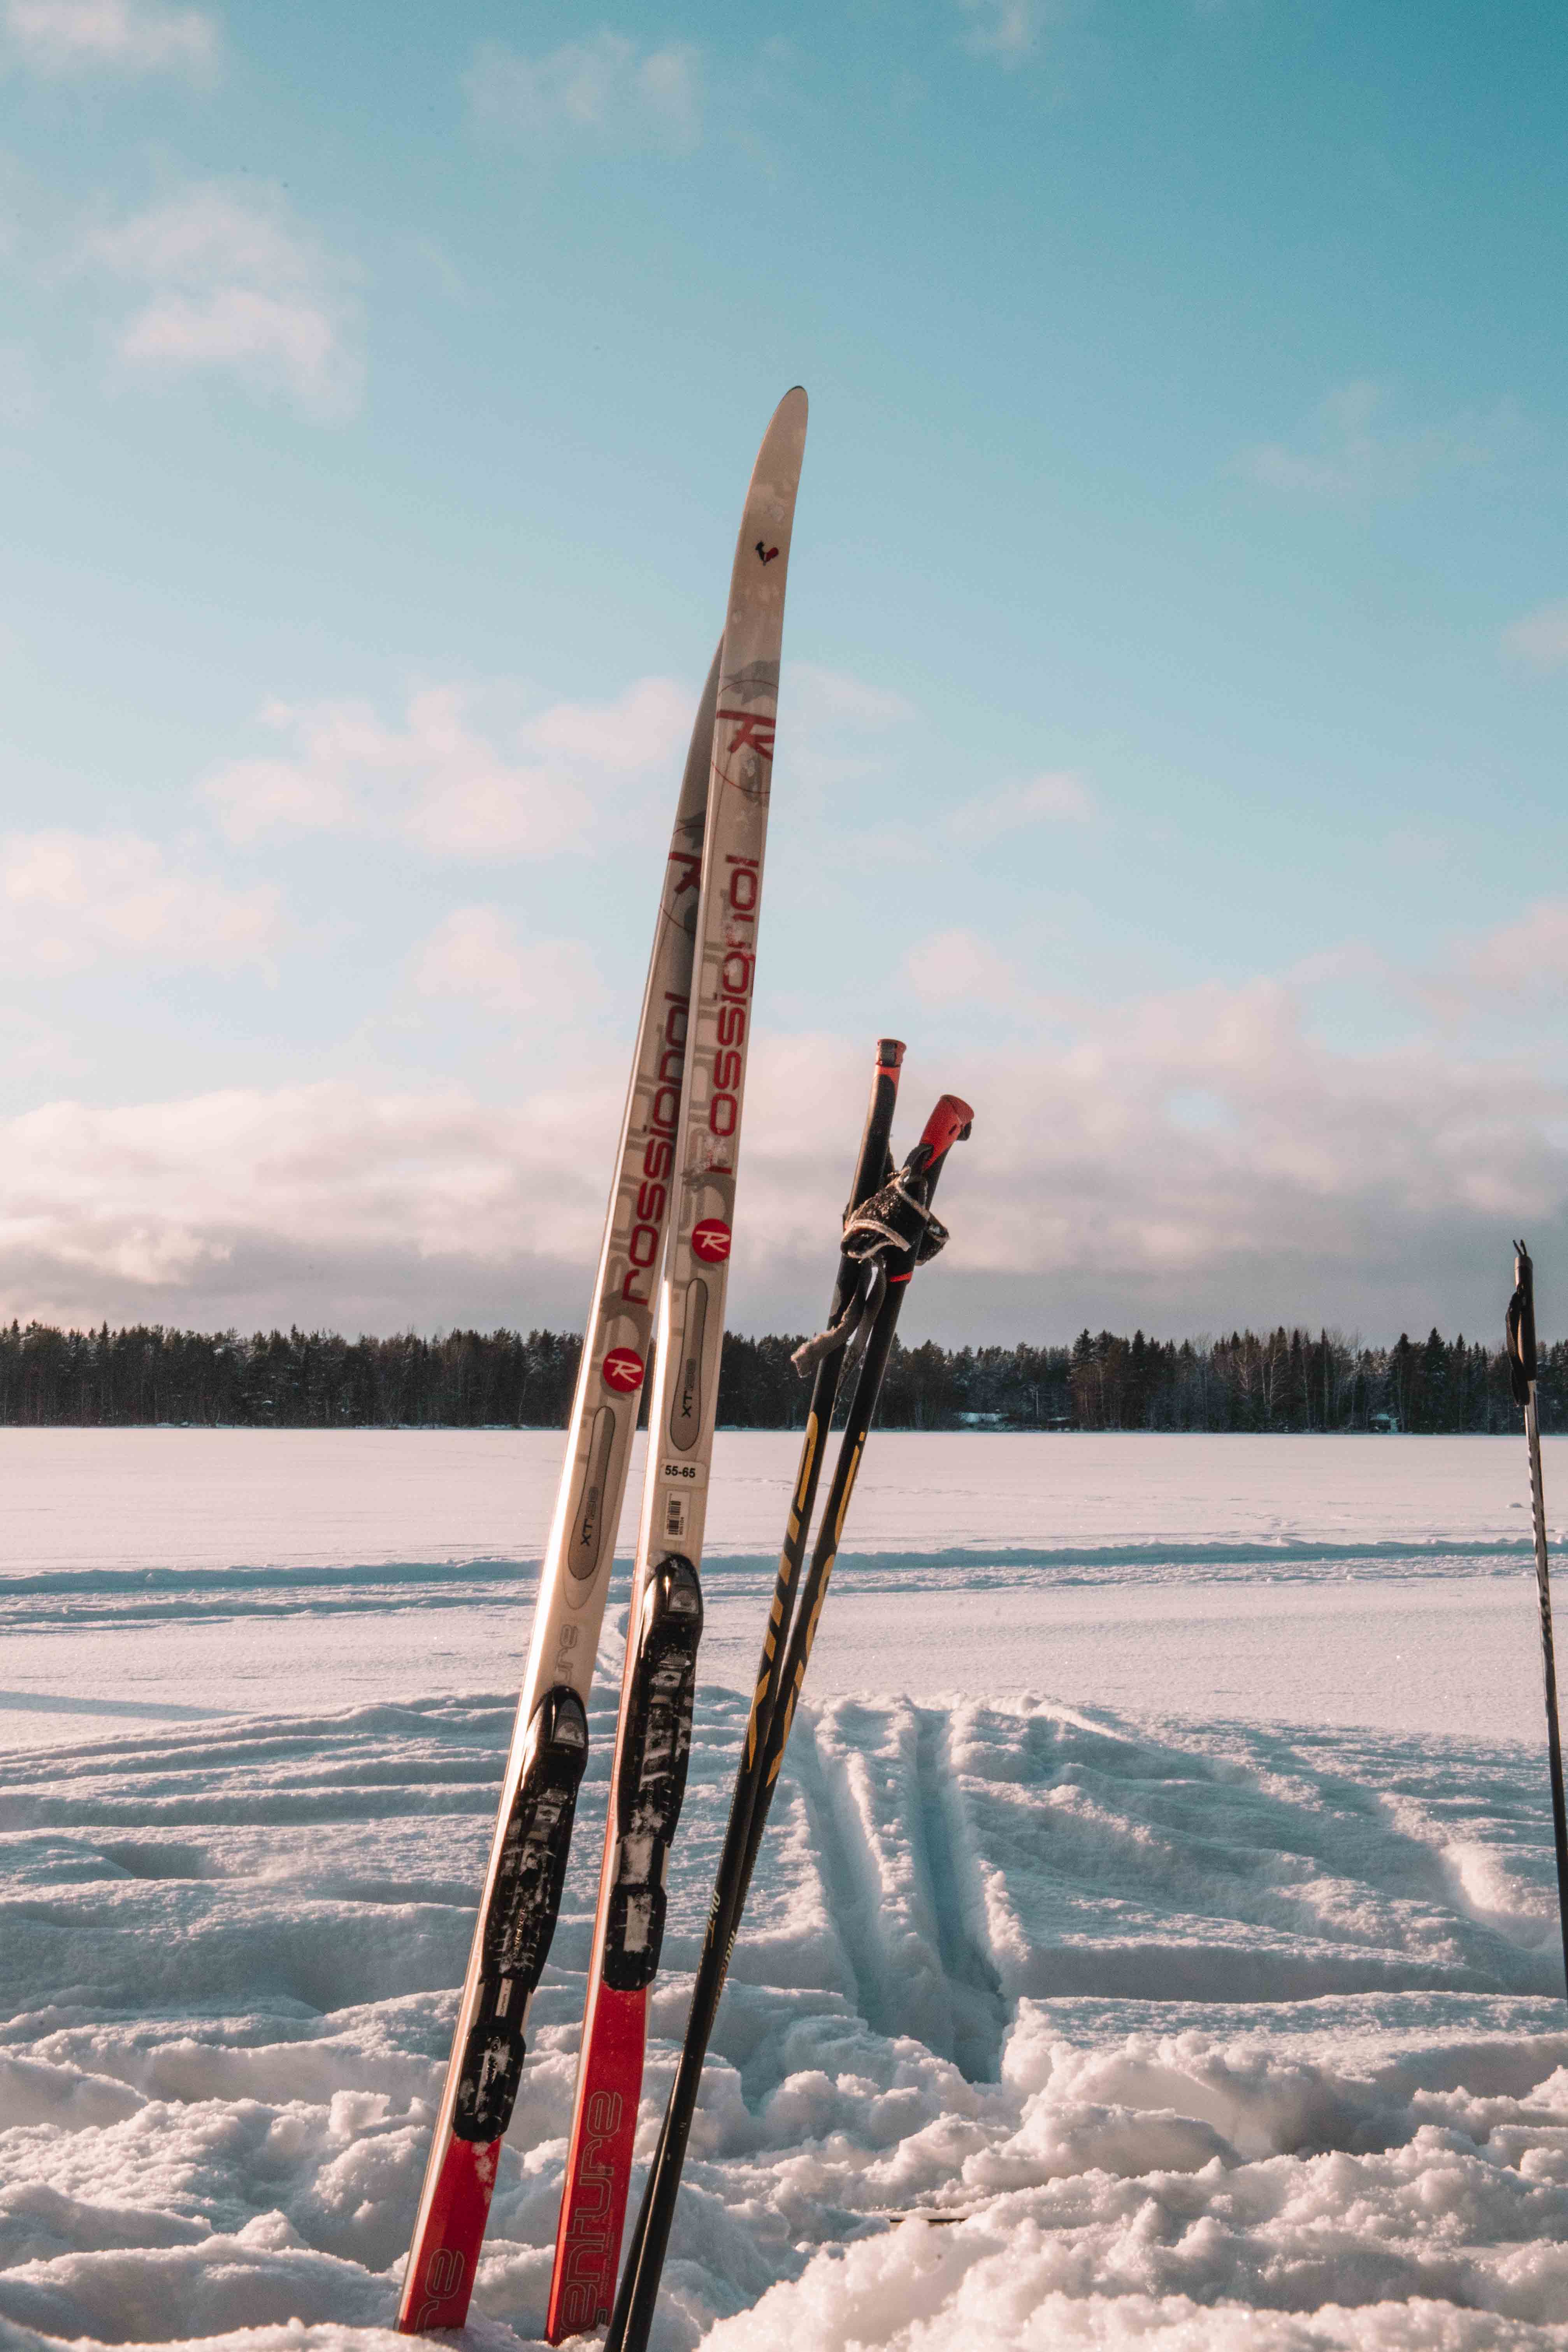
[{"x": 947, "y": 1123}]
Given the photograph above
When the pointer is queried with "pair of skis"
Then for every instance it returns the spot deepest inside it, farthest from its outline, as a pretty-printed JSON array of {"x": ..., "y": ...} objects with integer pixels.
[{"x": 665, "y": 1255}]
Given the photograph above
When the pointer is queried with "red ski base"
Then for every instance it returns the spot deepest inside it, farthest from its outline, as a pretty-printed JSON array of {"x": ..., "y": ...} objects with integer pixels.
[
  {"x": 446, "y": 2251},
  {"x": 598, "y": 2164}
]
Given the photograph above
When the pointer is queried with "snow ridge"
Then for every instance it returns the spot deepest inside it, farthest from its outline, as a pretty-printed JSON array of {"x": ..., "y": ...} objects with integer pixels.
[{"x": 1193, "y": 2035}]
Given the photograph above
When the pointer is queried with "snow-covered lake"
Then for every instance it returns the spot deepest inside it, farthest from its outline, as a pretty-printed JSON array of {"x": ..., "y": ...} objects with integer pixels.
[{"x": 1161, "y": 1880}]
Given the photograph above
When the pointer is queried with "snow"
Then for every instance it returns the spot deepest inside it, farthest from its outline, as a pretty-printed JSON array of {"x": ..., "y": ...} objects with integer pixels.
[{"x": 1158, "y": 1910}]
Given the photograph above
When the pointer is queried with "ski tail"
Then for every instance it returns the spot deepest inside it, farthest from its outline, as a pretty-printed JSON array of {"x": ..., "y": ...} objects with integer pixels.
[
  {"x": 488, "y": 2042},
  {"x": 646, "y": 1809},
  {"x": 518, "y": 1927},
  {"x": 909, "y": 1235},
  {"x": 683, "y": 1400},
  {"x": 1523, "y": 1366}
]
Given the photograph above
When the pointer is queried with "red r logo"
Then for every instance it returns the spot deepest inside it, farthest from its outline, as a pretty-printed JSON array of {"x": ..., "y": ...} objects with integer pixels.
[
  {"x": 711, "y": 1241},
  {"x": 754, "y": 732},
  {"x": 623, "y": 1371}
]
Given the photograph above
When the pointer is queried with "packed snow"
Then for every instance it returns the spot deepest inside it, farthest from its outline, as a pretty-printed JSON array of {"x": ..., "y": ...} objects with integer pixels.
[{"x": 1155, "y": 1944}]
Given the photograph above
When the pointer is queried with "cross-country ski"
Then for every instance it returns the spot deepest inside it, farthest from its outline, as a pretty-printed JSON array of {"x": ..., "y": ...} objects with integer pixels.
[
  {"x": 533, "y": 1825},
  {"x": 664, "y": 1615}
]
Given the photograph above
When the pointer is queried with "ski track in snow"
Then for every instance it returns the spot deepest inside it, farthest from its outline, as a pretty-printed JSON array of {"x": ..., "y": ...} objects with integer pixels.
[{"x": 1051, "y": 2025}]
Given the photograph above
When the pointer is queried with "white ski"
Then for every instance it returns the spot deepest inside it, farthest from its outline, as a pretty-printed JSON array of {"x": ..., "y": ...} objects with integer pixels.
[{"x": 534, "y": 1824}]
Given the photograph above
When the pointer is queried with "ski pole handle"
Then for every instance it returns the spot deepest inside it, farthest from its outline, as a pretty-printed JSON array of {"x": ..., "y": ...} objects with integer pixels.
[
  {"x": 1519, "y": 1327},
  {"x": 949, "y": 1124},
  {"x": 872, "y": 1164}
]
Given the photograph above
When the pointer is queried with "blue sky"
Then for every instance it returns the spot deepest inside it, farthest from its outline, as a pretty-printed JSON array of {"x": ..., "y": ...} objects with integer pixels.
[{"x": 1171, "y": 746}]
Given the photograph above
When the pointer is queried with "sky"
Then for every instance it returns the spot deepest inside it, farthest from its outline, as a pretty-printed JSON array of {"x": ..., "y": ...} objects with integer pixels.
[{"x": 1170, "y": 740}]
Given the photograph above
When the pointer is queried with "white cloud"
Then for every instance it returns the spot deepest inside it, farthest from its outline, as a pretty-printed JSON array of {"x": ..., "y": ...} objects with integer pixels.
[
  {"x": 1056, "y": 797},
  {"x": 957, "y": 964},
  {"x": 234, "y": 283},
  {"x": 1008, "y": 30},
  {"x": 73, "y": 900},
  {"x": 1521, "y": 957},
  {"x": 1540, "y": 638},
  {"x": 63, "y": 37},
  {"x": 1355, "y": 454},
  {"x": 475, "y": 954},
  {"x": 443, "y": 784},
  {"x": 608, "y": 88}
]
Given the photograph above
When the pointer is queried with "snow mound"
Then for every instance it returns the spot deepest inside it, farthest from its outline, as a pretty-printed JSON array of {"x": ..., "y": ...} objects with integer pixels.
[{"x": 1048, "y": 2028}]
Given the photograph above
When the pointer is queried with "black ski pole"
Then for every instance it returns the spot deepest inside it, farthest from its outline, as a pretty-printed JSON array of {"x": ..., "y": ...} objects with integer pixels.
[
  {"x": 873, "y": 1166},
  {"x": 885, "y": 1298},
  {"x": 1520, "y": 1329},
  {"x": 895, "y": 1223}
]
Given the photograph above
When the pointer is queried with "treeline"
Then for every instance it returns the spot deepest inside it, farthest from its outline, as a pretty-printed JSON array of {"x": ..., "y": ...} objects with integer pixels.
[{"x": 1278, "y": 1381}]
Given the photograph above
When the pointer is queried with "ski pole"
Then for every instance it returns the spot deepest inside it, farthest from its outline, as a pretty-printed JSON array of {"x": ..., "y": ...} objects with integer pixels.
[
  {"x": 898, "y": 1219},
  {"x": 1521, "y": 1329},
  {"x": 873, "y": 1166}
]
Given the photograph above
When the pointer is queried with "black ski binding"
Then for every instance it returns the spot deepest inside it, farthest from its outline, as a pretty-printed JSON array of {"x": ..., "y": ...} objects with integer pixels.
[
  {"x": 653, "y": 1772},
  {"x": 519, "y": 1922}
]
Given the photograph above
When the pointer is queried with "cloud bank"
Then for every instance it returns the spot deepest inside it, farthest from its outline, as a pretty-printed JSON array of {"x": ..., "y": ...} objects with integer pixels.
[{"x": 1311, "y": 1183}]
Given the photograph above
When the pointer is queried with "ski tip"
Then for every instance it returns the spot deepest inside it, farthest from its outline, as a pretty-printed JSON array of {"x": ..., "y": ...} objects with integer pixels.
[{"x": 889, "y": 1053}]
